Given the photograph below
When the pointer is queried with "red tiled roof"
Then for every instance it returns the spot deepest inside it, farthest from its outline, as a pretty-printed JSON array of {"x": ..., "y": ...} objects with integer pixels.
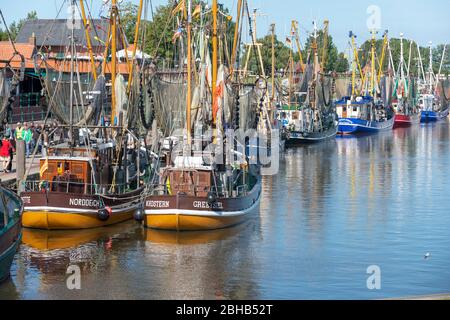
[
  {"x": 7, "y": 53},
  {"x": 84, "y": 66}
]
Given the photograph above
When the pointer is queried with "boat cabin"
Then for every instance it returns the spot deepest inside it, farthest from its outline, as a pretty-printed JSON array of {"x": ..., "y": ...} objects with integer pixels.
[
  {"x": 67, "y": 174},
  {"x": 359, "y": 108},
  {"x": 188, "y": 176},
  {"x": 427, "y": 102}
]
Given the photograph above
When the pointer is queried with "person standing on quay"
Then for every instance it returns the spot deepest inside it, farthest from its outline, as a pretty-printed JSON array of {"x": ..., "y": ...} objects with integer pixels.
[
  {"x": 6, "y": 150},
  {"x": 19, "y": 132},
  {"x": 28, "y": 137}
]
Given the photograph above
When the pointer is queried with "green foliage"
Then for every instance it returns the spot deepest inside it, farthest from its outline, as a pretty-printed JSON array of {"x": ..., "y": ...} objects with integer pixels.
[
  {"x": 15, "y": 27},
  {"x": 128, "y": 18},
  {"x": 331, "y": 51},
  {"x": 395, "y": 45},
  {"x": 159, "y": 33},
  {"x": 282, "y": 54},
  {"x": 342, "y": 65}
]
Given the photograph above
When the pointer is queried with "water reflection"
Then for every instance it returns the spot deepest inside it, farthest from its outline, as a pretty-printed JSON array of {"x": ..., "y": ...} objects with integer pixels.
[{"x": 333, "y": 210}]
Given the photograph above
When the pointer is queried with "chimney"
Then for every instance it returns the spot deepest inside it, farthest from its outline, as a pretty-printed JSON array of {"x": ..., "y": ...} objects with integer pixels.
[{"x": 32, "y": 39}]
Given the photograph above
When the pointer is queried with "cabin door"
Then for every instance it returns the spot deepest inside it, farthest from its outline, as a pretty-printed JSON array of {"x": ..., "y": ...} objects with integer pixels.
[{"x": 344, "y": 112}]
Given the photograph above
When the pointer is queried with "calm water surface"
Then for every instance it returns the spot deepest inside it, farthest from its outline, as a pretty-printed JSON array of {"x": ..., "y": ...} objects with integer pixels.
[{"x": 332, "y": 211}]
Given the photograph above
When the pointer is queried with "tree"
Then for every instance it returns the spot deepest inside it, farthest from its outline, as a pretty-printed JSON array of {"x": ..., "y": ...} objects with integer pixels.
[
  {"x": 159, "y": 33},
  {"x": 128, "y": 18},
  {"x": 282, "y": 54},
  {"x": 395, "y": 46},
  {"x": 342, "y": 64},
  {"x": 331, "y": 51},
  {"x": 15, "y": 27}
]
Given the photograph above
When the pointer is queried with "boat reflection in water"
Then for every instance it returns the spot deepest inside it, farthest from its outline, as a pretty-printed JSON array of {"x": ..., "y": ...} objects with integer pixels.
[
  {"x": 45, "y": 240},
  {"x": 191, "y": 237},
  {"x": 200, "y": 264}
]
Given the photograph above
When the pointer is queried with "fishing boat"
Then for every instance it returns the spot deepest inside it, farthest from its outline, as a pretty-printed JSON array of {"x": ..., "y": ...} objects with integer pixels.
[
  {"x": 200, "y": 188},
  {"x": 434, "y": 104},
  {"x": 364, "y": 111},
  {"x": 433, "y": 109},
  {"x": 311, "y": 116},
  {"x": 406, "y": 108},
  {"x": 94, "y": 177},
  {"x": 10, "y": 230}
]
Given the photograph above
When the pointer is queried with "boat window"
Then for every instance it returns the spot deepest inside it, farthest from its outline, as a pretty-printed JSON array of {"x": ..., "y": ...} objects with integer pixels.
[{"x": 355, "y": 109}]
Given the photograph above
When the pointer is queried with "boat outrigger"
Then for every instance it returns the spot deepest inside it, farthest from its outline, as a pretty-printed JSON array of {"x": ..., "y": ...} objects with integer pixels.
[{"x": 365, "y": 113}]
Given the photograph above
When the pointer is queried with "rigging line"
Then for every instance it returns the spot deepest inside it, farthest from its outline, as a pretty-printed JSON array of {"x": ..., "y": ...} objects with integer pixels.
[
  {"x": 9, "y": 34},
  {"x": 92, "y": 20},
  {"x": 165, "y": 29},
  {"x": 27, "y": 171},
  {"x": 253, "y": 38}
]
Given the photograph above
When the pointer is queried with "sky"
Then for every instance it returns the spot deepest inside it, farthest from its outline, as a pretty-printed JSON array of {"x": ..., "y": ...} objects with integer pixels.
[{"x": 421, "y": 20}]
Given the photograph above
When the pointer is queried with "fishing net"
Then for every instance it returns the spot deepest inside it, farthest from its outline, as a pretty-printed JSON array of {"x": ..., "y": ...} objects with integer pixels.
[
  {"x": 58, "y": 84},
  {"x": 343, "y": 87},
  {"x": 4, "y": 94},
  {"x": 169, "y": 102}
]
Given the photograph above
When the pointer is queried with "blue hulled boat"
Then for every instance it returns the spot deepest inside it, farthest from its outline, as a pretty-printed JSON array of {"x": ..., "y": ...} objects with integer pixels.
[
  {"x": 10, "y": 229},
  {"x": 363, "y": 115},
  {"x": 432, "y": 110}
]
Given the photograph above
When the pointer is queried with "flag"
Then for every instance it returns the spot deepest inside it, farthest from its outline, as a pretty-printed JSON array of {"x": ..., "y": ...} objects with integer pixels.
[
  {"x": 180, "y": 7},
  {"x": 169, "y": 188},
  {"x": 99, "y": 40},
  {"x": 197, "y": 11},
  {"x": 288, "y": 41},
  {"x": 44, "y": 168},
  {"x": 177, "y": 34}
]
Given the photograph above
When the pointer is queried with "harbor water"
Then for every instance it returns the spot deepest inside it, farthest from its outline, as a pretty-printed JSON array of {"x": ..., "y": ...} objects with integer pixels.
[{"x": 333, "y": 211}]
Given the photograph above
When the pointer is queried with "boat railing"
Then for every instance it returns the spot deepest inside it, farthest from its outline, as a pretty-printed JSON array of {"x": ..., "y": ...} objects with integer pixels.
[
  {"x": 76, "y": 187},
  {"x": 219, "y": 191}
]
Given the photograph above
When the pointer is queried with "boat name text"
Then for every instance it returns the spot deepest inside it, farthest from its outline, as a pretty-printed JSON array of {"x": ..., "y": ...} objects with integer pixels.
[
  {"x": 84, "y": 202},
  {"x": 157, "y": 204},
  {"x": 206, "y": 205}
]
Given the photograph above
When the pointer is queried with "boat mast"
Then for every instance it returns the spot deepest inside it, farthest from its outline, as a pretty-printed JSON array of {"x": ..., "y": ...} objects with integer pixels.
[
  {"x": 372, "y": 82},
  {"x": 430, "y": 68},
  {"x": 291, "y": 72},
  {"x": 294, "y": 31},
  {"x": 72, "y": 53},
  {"x": 136, "y": 36},
  {"x": 357, "y": 64},
  {"x": 400, "y": 67},
  {"x": 189, "y": 70},
  {"x": 272, "y": 28},
  {"x": 88, "y": 40},
  {"x": 214, "y": 62},
  {"x": 236, "y": 36},
  {"x": 383, "y": 54},
  {"x": 114, "y": 13},
  {"x": 325, "y": 44}
]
